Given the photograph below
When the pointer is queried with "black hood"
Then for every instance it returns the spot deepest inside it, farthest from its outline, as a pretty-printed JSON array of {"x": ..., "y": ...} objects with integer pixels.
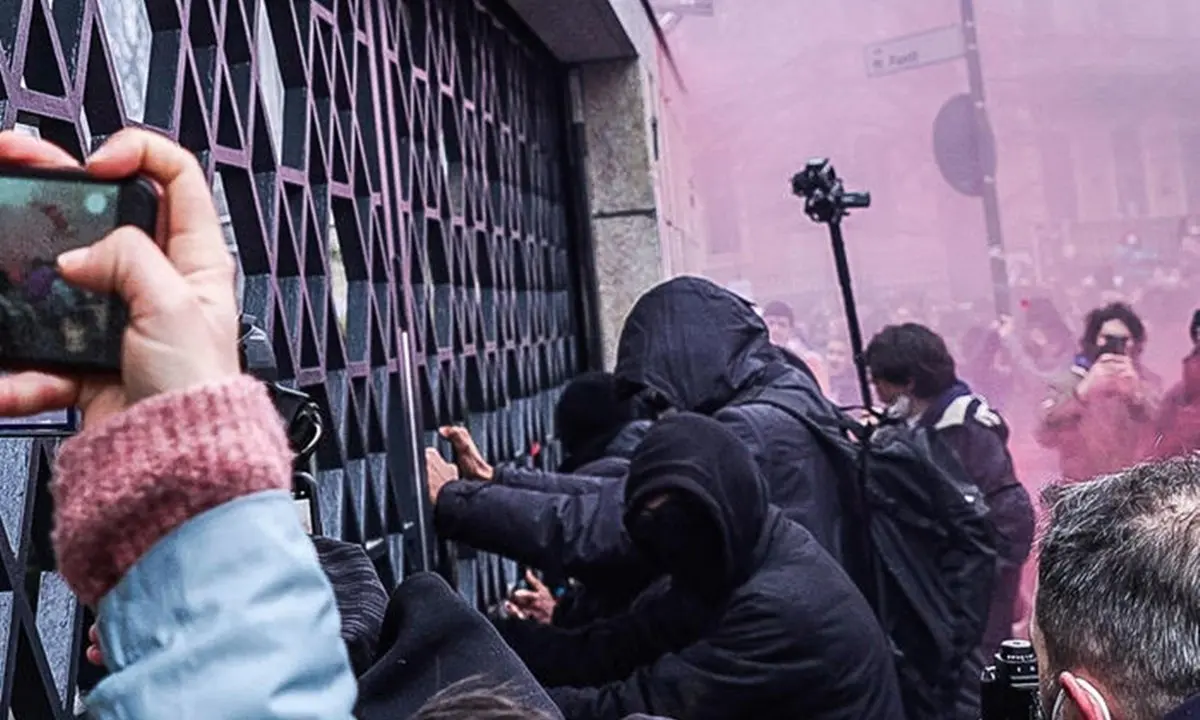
[
  {"x": 618, "y": 444},
  {"x": 696, "y": 456},
  {"x": 693, "y": 342}
]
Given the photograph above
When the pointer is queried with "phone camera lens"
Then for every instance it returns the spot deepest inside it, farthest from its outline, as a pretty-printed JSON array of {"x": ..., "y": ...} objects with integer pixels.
[{"x": 97, "y": 203}]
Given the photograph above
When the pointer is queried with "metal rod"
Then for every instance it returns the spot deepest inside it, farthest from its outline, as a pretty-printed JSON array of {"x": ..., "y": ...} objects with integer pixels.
[
  {"x": 991, "y": 200},
  {"x": 856, "y": 339},
  {"x": 416, "y": 453}
]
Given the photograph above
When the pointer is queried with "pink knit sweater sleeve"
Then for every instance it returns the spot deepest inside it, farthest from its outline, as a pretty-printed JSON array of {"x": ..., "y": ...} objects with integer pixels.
[{"x": 121, "y": 487}]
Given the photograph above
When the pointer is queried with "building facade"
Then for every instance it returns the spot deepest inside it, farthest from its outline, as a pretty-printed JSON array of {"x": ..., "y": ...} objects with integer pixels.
[{"x": 441, "y": 209}]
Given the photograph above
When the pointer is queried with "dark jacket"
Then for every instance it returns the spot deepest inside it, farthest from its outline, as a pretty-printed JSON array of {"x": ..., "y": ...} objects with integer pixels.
[
  {"x": 432, "y": 639},
  {"x": 579, "y": 604},
  {"x": 979, "y": 438},
  {"x": 780, "y": 632},
  {"x": 562, "y": 524},
  {"x": 703, "y": 349}
]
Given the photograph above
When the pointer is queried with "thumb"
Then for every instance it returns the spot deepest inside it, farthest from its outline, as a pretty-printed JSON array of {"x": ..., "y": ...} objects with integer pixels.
[
  {"x": 128, "y": 263},
  {"x": 433, "y": 456}
]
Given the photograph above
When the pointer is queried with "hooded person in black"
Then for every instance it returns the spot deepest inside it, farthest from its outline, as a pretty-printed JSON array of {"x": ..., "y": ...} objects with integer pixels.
[
  {"x": 598, "y": 429},
  {"x": 693, "y": 346},
  {"x": 686, "y": 345},
  {"x": 551, "y": 521},
  {"x": 758, "y": 620}
]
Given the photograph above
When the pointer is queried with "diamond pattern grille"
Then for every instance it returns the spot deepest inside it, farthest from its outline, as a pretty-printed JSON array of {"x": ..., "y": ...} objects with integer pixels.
[{"x": 392, "y": 177}]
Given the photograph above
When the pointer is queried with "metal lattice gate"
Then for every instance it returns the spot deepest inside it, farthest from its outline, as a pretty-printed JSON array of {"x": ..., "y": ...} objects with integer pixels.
[{"x": 392, "y": 176}]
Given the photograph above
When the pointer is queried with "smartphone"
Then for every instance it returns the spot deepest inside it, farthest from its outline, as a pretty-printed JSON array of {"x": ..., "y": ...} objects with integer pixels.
[
  {"x": 45, "y": 323},
  {"x": 1114, "y": 345},
  {"x": 56, "y": 423}
]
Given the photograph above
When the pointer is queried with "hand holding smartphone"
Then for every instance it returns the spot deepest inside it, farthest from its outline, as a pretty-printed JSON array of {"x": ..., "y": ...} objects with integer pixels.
[{"x": 45, "y": 322}]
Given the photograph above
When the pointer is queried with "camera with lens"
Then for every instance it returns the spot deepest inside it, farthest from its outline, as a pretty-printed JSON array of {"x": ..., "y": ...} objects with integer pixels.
[
  {"x": 1009, "y": 687},
  {"x": 825, "y": 198}
]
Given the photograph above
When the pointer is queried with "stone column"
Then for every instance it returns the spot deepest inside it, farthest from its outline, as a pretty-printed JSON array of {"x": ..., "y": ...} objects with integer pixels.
[
  {"x": 615, "y": 56},
  {"x": 622, "y": 197}
]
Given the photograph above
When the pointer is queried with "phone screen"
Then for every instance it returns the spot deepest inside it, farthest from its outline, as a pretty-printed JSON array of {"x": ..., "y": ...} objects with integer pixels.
[
  {"x": 45, "y": 322},
  {"x": 1114, "y": 345}
]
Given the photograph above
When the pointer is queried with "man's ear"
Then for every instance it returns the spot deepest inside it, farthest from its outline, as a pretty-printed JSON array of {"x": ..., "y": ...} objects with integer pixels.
[{"x": 1084, "y": 697}]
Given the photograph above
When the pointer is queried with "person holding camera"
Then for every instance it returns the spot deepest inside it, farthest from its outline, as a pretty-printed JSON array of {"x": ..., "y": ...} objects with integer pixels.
[
  {"x": 1100, "y": 416},
  {"x": 172, "y": 510}
]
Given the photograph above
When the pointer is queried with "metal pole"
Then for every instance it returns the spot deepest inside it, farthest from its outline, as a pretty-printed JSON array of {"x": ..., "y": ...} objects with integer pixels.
[
  {"x": 856, "y": 339},
  {"x": 991, "y": 201}
]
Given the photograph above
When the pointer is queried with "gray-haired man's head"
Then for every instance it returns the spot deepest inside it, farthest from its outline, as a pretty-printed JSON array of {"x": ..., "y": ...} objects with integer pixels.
[{"x": 1118, "y": 600}]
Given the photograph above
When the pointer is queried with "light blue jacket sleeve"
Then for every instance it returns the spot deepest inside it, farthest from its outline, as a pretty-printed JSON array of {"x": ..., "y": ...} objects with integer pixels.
[{"x": 229, "y": 616}]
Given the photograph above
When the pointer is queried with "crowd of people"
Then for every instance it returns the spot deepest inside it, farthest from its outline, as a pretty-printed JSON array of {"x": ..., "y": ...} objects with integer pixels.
[{"x": 702, "y": 552}]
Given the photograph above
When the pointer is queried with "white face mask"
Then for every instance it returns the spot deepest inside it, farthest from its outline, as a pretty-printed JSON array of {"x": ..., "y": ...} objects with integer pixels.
[
  {"x": 1060, "y": 701},
  {"x": 901, "y": 408}
]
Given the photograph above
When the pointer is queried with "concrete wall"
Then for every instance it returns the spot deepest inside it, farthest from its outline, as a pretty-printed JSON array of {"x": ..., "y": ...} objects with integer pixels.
[
  {"x": 641, "y": 195},
  {"x": 642, "y": 200},
  {"x": 623, "y": 197},
  {"x": 682, "y": 229}
]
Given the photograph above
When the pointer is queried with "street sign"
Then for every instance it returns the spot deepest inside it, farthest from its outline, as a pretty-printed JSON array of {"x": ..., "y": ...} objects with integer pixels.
[
  {"x": 964, "y": 148},
  {"x": 913, "y": 51}
]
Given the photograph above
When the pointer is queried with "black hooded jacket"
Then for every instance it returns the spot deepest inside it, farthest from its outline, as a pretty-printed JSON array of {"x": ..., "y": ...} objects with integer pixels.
[
  {"x": 777, "y": 631},
  {"x": 431, "y": 639},
  {"x": 567, "y": 525},
  {"x": 703, "y": 349}
]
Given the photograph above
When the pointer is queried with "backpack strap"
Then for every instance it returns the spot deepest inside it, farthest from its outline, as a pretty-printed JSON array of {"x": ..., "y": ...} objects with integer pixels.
[
  {"x": 839, "y": 421},
  {"x": 859, "y": 559}
]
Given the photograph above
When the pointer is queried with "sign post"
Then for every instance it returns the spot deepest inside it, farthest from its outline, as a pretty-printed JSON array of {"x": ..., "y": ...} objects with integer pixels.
[
  {"x": 991, "y": 199},
  {"x": 942, "y": 45}
]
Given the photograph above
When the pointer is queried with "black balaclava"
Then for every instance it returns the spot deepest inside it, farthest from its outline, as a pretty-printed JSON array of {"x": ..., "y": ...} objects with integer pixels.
[
  {"x": 696, "y": 503},
  {"x": 680, "y": 538}
]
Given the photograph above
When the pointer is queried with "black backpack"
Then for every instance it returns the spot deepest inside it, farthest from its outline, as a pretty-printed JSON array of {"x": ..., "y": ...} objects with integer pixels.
[{"x": 917, "y": 542}]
